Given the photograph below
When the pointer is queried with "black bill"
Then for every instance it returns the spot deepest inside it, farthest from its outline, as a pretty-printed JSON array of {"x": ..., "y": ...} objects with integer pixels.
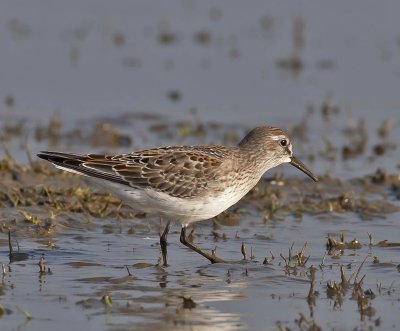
[{"x": 299, "y": 165}]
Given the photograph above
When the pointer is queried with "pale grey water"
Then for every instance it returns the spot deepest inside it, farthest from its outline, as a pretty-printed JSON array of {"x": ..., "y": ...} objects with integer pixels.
[
  {"x": 360, "y": 38},
  {"x": 61, "y": 57},
  {"x": 226, "y": 298}
]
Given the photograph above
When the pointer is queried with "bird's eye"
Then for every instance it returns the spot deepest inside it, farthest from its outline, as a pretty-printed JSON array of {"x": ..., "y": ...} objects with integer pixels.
[{"x": 283, "y": 142}]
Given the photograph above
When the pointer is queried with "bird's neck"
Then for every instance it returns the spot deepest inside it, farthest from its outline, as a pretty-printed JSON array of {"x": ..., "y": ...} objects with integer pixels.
[{"x": 256, "y": 159}]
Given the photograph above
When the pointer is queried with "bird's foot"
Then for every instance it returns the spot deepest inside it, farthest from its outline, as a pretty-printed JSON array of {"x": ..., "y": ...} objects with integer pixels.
[{"x": 213, "y": 258}]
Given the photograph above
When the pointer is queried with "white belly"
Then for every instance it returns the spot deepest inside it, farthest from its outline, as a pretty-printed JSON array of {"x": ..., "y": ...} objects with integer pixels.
[{"x": 176, "y": 209}]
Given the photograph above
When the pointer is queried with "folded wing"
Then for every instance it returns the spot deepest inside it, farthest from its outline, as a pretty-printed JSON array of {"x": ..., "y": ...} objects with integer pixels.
[{"x": 181, "y": 172}]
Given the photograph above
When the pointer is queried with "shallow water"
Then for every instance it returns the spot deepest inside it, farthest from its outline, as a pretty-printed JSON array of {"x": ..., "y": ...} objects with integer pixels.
[
  {"x": 85, "y": 59},
  {"x": 114, "y": 78},
  {"x": 92, "y": 257}
]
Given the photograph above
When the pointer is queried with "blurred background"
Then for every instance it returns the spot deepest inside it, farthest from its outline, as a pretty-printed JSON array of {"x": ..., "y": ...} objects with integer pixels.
[{"x": 124, "y": 75}]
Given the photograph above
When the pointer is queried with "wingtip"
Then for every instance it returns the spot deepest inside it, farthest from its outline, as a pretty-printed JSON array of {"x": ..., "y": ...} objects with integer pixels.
[
  {"x": 43, "y": 155},
  {"x": 48, "y": 155}
]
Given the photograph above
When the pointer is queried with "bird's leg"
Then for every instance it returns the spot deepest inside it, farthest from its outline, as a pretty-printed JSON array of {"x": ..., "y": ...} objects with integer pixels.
[
  {"x": 163, "y": 244},
  {"x": 212, "y": 258}
]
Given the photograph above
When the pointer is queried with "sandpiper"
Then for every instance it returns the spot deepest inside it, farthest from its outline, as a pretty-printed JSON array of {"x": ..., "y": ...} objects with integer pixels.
[{"x": 185, "y": 184}]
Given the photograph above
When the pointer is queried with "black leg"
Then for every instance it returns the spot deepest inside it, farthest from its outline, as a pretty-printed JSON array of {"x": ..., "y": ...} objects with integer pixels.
[
  {"x": 212, "y": 258},
  {"x": 163, "y": 244}
]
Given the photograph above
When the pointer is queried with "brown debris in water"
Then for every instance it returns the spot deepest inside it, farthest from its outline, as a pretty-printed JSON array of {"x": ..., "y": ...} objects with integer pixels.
[
  {"x": 42, "y": 268},
  {"x": 337, "y": 292},
  {"x": 166, "y": 37},
  {"x": 188, "y": 303},
  {"x": 174, "y": 95},
  {"x": 333, "y": 244},
  {"x": 299, "y": 258},
  {"x": 386, "y": 243},
  {"x": 13, "y": 255},
  {"x": 202, "y": 37},
  {"x": 103, "y": 134},
  {"x": 312, "y": 294},
  {"x": 243, "y": 251},
  {"x": 307, "y": 324},
  {"x": 106, "y": 300}
]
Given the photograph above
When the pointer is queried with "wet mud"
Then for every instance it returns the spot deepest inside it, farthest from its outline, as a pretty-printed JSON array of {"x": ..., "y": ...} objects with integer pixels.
[{"x": 306, "y": 253}]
